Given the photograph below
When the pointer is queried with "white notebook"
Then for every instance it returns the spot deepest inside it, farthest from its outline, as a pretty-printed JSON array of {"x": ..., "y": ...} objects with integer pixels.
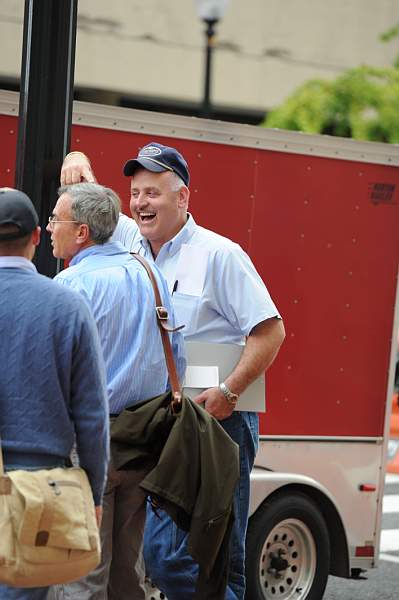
[{"x": 209, "y": 364}]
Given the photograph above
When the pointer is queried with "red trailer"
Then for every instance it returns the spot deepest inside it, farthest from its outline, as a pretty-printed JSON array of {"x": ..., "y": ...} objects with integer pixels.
[{"x": 319, "y": 218}]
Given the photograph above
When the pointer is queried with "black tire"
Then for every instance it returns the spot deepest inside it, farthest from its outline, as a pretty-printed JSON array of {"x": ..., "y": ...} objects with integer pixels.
[{"x": 287, "y": 550}]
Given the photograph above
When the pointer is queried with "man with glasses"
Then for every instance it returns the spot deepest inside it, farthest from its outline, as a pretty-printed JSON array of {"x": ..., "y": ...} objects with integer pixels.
[{"x": 120, "y": 294}]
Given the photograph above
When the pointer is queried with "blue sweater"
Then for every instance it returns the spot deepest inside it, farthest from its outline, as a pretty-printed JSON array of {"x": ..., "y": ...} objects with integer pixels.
[{"x": 52, "y": 377}]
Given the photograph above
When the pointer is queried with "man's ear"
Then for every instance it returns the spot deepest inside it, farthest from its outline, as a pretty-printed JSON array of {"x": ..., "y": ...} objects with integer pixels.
[
  {"x": 36, "y": 236},
  {"x": 84, "y": 234},
  {"x": 184, "y": 196}
]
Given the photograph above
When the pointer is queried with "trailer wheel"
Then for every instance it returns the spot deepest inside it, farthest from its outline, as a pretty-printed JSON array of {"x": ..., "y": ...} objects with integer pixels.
[{"x": 288, "y": 550}]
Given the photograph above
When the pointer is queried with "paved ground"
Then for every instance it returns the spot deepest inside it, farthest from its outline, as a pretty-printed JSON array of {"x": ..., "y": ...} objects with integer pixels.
[{"x": 381, "y": 583}]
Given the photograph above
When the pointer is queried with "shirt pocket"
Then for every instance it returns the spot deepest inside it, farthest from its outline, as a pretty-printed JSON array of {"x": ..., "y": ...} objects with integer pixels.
[{"x": 186, "y": 308}]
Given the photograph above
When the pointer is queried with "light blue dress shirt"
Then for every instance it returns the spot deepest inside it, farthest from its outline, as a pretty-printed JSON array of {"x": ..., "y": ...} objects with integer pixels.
[
  {"x": 224, "y": 297},
  {"x": 119, "y": 292}
]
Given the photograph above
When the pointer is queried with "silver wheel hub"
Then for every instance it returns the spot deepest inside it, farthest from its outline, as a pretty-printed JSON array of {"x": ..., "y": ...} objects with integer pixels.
[{"x": 288, "y": 561}]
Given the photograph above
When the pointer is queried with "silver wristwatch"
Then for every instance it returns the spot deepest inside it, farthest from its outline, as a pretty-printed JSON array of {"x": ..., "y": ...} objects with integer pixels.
[{"x": 228, "y": 394}]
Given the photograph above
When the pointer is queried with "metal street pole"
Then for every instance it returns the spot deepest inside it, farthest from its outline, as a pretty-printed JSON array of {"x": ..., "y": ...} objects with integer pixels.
[
  {"x": 206, "y": 110},
  {"x": 45, "y": 108},
  {"x": 210, "y": 12}
]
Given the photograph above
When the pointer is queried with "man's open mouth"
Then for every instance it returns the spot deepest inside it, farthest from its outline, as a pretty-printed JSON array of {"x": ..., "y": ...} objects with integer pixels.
[{"x": 147, "y": 217}]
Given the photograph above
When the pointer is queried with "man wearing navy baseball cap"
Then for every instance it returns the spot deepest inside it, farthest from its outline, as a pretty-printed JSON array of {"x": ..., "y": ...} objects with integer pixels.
[
  {"x": 18, "y": 217},
  {"x": 51, "y": 367},
  {"x": 158, "y": 158},
  {"x": 221, "y": 299}
]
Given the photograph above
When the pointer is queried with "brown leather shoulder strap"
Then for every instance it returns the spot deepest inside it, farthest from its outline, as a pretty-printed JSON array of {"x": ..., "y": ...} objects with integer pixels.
[{"x": 162, "y": 320}]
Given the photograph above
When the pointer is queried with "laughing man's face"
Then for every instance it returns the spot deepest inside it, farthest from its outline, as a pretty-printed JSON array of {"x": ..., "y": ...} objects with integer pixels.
[{"x": 158, "y": 209}]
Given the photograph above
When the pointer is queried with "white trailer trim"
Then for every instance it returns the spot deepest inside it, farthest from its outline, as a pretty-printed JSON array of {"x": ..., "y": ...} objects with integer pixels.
[{"x": 220, "y": 132}]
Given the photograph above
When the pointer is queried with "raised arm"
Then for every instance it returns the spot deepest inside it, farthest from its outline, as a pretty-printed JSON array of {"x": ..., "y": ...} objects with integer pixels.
[{"x": 76, "y": 168}]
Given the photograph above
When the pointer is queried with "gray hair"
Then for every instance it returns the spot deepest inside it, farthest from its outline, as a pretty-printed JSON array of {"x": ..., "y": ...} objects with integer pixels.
[
  {"x": 95, "y": 205},
  {"x": 178, "y": 183}
]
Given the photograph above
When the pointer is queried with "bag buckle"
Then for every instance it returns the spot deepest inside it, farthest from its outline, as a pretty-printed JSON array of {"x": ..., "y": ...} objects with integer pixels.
[
  {"x": 162, "y": 313},
  {"x": 5, "y": 486}
]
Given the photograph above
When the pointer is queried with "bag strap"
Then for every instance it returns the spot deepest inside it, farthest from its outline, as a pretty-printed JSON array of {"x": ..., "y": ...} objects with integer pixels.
[
  {"x": 165, "y": 329},
  {"x": 1, "y": 461}
]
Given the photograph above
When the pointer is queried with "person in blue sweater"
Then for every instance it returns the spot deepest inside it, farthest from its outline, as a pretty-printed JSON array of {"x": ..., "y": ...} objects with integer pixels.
[
  {"x": 52, "y": 375},
  {"x": 120, "y": 294}
]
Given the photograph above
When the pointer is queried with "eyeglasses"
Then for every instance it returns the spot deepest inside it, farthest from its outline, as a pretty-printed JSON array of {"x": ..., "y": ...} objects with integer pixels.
[{"x": 52, "y": 220}]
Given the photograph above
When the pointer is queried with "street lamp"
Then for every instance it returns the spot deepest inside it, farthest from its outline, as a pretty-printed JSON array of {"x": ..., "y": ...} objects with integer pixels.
[{"x": 210, "y": 11}]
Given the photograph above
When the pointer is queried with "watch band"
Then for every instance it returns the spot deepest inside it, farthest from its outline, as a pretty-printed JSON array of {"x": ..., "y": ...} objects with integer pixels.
[{"x": 228, "y": 394}]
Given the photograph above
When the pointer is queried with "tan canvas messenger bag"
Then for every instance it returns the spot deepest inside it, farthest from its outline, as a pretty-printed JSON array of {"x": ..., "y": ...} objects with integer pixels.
[{"x": 48, "y": 528}]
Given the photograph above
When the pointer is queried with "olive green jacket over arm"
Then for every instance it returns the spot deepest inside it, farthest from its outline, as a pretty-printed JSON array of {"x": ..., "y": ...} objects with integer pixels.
[{"x": 193, "y": 468}]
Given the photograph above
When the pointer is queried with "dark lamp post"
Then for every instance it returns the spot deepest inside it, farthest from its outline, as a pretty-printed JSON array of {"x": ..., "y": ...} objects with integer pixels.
[{"x": 210, "y": 11}]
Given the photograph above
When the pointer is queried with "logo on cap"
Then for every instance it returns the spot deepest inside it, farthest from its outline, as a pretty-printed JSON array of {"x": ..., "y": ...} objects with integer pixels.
[{"x": 150, "y": 151}]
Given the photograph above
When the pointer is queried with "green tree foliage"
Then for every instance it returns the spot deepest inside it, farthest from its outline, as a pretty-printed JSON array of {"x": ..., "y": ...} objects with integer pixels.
[
  {"x": 362, "y": 103},
  {"x": 389, "y": 35}
]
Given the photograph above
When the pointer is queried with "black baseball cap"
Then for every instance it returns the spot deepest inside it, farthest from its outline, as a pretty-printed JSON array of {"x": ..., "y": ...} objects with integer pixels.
[
  {"x": 157, "y": 158},
  {"x": 17, "y": 209}
]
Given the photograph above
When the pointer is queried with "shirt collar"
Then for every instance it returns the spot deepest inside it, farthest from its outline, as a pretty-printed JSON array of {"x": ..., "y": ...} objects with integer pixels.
[
  {"x": 18, "y": 262},
  {"x": 107, "y": 249},
  {"x": 174, "y": 245}
]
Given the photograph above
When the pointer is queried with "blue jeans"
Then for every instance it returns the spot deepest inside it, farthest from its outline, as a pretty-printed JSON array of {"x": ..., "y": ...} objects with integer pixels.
[
  {"x": 11, "y": 593},
  {"x": 167, "y": 561}
]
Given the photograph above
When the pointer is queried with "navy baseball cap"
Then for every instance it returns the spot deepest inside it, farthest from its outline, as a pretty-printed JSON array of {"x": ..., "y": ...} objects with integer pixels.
[
  {"x": 157, "y": 158},
  {"x": 17, "y": 209}
]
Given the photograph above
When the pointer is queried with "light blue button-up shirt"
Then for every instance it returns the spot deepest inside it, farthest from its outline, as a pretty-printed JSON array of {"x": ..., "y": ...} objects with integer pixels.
[
  {"x": 219, "y": 295},
  {"x": 119, "y": 292}
]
